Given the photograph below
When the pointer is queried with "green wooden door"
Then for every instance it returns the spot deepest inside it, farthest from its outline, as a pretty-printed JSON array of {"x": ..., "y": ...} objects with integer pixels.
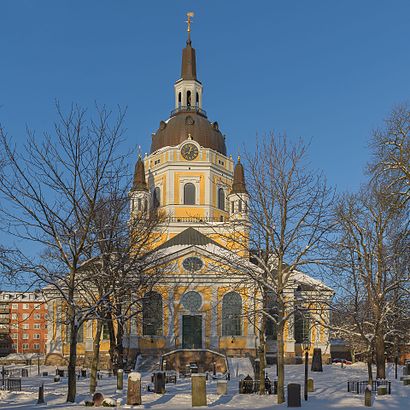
[{"x": 191, "y": 332}]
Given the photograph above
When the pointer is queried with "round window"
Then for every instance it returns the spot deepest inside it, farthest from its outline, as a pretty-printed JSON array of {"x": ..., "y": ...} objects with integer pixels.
[
  {"x": 191, "y": 301},
  {"x": 192, "y": 263}
]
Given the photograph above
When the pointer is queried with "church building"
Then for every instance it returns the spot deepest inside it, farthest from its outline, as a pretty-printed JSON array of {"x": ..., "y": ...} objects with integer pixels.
[{"x": 203, "y": 300}]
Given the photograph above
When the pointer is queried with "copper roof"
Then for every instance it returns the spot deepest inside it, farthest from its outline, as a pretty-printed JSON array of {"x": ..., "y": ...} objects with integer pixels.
[
  {"x": 139, "y": 183},
  {"x": 184, "y": 123},
  {"x": 188, "y": 67},
  {"x": 189, "y": 236},
  {"x": 239, "y": 186}
]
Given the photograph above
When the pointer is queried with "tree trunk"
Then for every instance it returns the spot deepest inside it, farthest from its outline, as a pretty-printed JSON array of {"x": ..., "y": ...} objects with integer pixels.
[
  {"x": 119, "y": 344},
  {"x": 380, "y": 357},
  {"x": 113, "y": 343},
  {"x": 96, "y": 357},
  {"x": 369, "y": 368},
  {"x": 262, "y": 357},
  {"x": 281, "y": 359},
  {"x": 72, "y": 361}
]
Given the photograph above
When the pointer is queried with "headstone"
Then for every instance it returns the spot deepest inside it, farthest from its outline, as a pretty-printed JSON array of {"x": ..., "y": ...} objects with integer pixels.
[
  {"x": 83, "y": 372},
  {"x": 98, "y": 399},
  {"x": 294, "y": 399},
  {"x": 198, "y": 389},
  {"x": 368, "y": 397},
  {"x": 405, "y": 373},
  {"x": 311, "y": 385},
  {"x": 408, "y": 366},
  {"x": 382, "y": 390},
  {"x": 120, "y": 379},
  {"x": 24, "y": 372},
  {"x": 159, "y": 382},
  {"x": 134, "y": 389},
  {"x": 257, "y": 369},
  {"x": 317, "y": 361},
  {"x": 406, "y": 381},
  {"x": 45, "y": 374},
  {"x": 222, "y": 387},
  {"x": 275, "y": 387},
  {"x": 56, "y": 379},
  {"x": 41, "y": 394}
]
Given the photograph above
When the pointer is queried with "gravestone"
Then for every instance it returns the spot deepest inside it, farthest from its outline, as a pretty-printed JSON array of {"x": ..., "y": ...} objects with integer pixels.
[
  {"x": 257, "y": 369},
  {"x": 382, "y": 390},
  {"x": 275, "y": 387},
  {"x": 134, "y": 389},
  {"x": 222, "y": 387},
  {"x": 41, "y": 394},
  {"x": 24, "y": 372},
  {"x": 317, "y": 361},
  {"x": 311, "y": 386},
  {"x": 98, "y": 398},
  {"x": 368, "y": 397},
  {"x": 294, "y": 399},
  {"x": 198, "y": 381},
  {"x": 408, "y": 366},
  {"x": 159, "y": 382},
  {"x": 406, "y": 381},
  {"x": 56, "y": 379},
  {"x": 45, "y": 374},
  {"x": 84, "y": 373},
  {"x": 405, "y": 373},
  {"x": 120, "y": 379}
]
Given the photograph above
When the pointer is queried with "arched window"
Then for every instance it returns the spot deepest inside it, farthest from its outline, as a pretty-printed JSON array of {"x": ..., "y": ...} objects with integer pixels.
[
  {"x": 139, "y": 207},
  {"x": 197, "y": 99},
  {"x": 240, "y": 205},
  {"x": 272, "y": 310},
  {"x": 189, "y": 194},
  {"x": 221, "y": 199},
  {"x": 156, "y": 200},
  {"x": 231, "y": 314},
  {"x": 188, "y": 98},
  {"x": 301, "y": 326},
  {"x": 179, "y": 99},
  {"x": 152, "y": 314},
  {"x": 233, "y": 207}
]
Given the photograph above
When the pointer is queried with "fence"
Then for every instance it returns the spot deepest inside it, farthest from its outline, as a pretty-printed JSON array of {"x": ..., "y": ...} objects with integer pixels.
[{"x": 356, "y": 386}]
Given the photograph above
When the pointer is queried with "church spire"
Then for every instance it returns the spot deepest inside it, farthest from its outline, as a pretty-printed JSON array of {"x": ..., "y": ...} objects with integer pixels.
[
  {"x": 139, "y": 184},
  {"x": 188, "y": 68}
]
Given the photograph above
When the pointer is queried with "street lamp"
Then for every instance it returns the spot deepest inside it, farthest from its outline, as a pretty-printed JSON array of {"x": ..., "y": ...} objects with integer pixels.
[{"x": 306, "y": 347}]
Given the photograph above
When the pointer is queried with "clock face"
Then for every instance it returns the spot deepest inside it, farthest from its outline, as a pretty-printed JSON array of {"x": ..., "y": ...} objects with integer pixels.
[
  {"x": 189, "y": 151},
  {"x": 192, "y": 263}
]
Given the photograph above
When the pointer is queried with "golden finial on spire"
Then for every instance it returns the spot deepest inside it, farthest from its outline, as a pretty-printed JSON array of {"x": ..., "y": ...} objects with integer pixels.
[{"x": 190, "y": 14}]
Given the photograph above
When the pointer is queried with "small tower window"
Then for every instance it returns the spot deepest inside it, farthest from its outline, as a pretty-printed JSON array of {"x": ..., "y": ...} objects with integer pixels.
[
  {"x": 232, "y": 207},
  {"x": 221, "y": 199},
  {"x": 157, "y": 197},
  {"x": 188, "y": 98},
  {"x": 240, "y": 205},
  {"x": 189, "y": 194},
  {"x": 139, "y": 204},
  {"x": 145, "y": 205},
  {"x": 197, "y": 100},
  {"x": 179, "y": 99}
]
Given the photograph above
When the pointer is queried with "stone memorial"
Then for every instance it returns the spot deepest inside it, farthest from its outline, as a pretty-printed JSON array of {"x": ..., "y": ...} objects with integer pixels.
[
  {"x": 317, "y": 361},
  {"x": 368, "y": 396},
  {"x": 98, "y": 399},
  {"x": 56, "y": 379},
  {"x": 405, "y": 373},
  {"x": 134, "y": 389},
  {"x": 159, "y": 382},
  {"x": 24, "y": 372},
  {"x": 41, "y": 394},
  {"x": 311, "y": 386},
  {"x": 198, "y": 381},
  {"x": 381, "y": 390},
  {"x": 120, "y": 379},
  {"x": 222, "y": 387},
  {"x": 294, "y": 399}
]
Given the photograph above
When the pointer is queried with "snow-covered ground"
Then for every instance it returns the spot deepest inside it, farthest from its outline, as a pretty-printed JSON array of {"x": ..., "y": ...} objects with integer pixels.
[{"x": 330, "y": 393}]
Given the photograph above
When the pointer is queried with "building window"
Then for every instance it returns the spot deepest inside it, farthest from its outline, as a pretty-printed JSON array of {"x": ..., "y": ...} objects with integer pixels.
[
  {"x": 36, "y": 336},
  {"x": 221, "y": 199},
  {"x": 188, "y": 98},
  {"x": 25, "y": 305},
  {"x": 105, "y": 333},
  {"x": 37, "y": 306},
  {"x": 139, "y": 204},
  {"x": 37, "y": 326},
  {"x": 232, "y": 207},
  {"x": 197, "y": 100},
  {"x": 25, "y": 345},
  {"x": 26, "y": 326},
  {"x": 240, "y": 205},
  {"x": 15, "y": 326},
  {"x": 156, "y": 200},
  {"x": 189, "y": 194},
  {"x": 36, "y": 346},
  {"x": 301, "y": 326},
  {"x": 179, "y": 99},
  {"x": 80, "y": 333},
  {"x": 14, "y": 316},
  {"x": 14, "y": 346},
  {"x": 14, "y": 306},
  {"x": 152, "y": 314},
  {"x": 25, "y": 336},
  {"x": 37, "y": 316},
  {"x": 25, "y": 316},
  {"x": 14, "y": 336},
  {"x": 231, "y": 314}
]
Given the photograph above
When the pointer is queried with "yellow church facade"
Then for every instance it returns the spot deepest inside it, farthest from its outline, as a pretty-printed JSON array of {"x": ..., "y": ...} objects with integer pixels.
[{"x": 204, "y": 299}]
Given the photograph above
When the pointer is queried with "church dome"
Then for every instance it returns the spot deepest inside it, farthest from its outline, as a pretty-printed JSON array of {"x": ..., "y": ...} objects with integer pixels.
[{"x": 188, "y": 122}]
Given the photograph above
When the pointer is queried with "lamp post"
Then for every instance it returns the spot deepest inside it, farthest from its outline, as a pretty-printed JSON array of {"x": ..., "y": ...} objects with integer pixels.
[{"x": 306, "y": 347}]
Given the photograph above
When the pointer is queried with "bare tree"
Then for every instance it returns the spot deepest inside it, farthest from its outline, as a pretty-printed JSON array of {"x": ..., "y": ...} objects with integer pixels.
[
  {"x": 369, "y": 286},
  {"x": 290, "y": 216},
  {"x": 50, "y": 190}
]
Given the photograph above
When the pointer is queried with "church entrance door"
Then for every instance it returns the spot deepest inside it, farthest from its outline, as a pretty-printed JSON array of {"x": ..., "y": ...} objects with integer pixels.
[{"x": 191, "y": 332}]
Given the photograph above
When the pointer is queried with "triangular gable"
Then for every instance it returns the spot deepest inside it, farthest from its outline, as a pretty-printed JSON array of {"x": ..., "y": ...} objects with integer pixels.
[{"x": 189, "y": 236}]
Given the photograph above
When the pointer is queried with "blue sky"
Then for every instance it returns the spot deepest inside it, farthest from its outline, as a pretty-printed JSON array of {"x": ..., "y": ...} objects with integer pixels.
[{"x": 328, "y": 71}]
